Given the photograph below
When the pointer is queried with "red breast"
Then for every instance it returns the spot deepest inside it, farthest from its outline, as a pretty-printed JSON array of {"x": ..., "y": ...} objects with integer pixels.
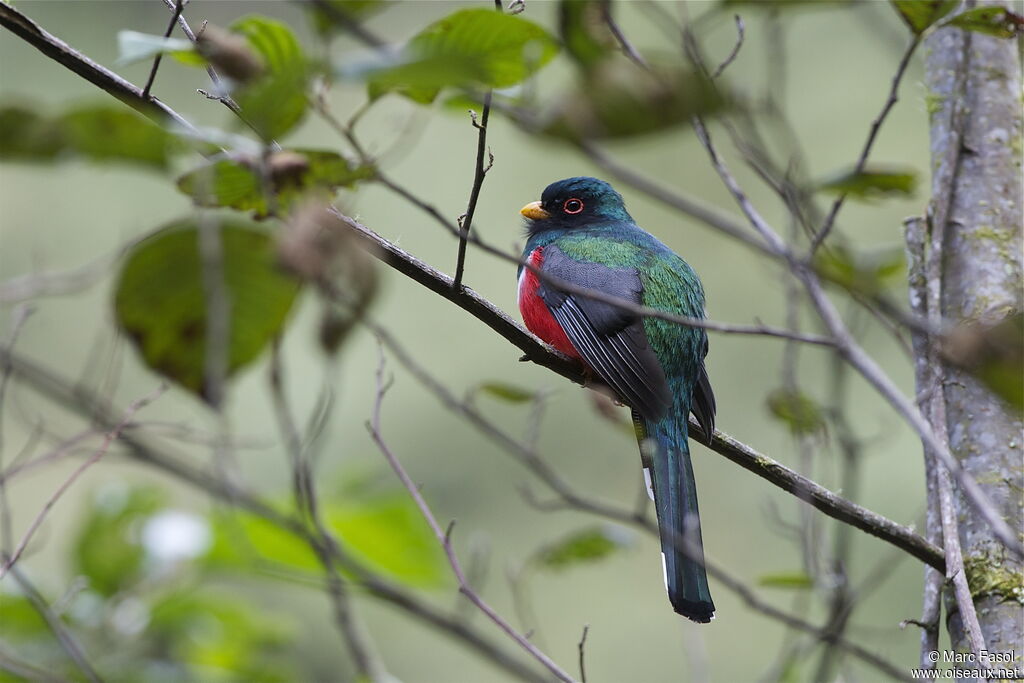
[{"x": 536, "y": 316}]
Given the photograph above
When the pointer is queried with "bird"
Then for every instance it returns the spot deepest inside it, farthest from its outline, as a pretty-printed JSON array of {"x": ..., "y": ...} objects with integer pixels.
[{"x": 580, "y": 237}]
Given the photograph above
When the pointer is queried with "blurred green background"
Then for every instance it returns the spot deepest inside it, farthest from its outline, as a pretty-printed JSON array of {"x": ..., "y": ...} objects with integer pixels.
[{"x": 839, "y": 59}]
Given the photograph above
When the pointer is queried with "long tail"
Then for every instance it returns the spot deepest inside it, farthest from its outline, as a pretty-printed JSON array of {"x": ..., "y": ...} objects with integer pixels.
[{"x": 666, "y": 455}]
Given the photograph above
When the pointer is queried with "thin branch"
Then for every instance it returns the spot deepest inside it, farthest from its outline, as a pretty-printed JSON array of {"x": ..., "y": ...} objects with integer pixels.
[
  {"x": 375, "y": 432},
  {"x": 627, "y": 47},
  {"x": 580, "y": 647},
  {"x": 482, "y": 167},
  {"x": 60, "y": 631},
  {"x": 935, "y": 392},
  {"x": 876, "y": 125},
  {"x": 735, "y": 48},
  {"x": 178, "y": 6},
  {"x": 20, "y": 315},
  {"x": 221, "y": 92},
  {"x": 62, "y": 53},
  {"x": 367, "y": 665},
  {"x": 110, "y": 437}
]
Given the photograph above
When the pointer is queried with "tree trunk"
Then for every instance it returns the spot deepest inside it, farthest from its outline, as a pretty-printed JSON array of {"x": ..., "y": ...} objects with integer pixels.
[{"x": 974, "y": 99}]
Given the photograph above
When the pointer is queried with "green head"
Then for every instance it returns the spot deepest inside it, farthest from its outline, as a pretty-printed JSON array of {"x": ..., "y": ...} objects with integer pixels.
[{"x": 573, "y": 203}]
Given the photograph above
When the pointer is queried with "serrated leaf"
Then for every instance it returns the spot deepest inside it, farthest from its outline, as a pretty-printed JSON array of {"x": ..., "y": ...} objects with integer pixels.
[
  {"x": 871, "y": 183},
  {"x": 920, "y": 14},
  {"x": 993, "y": 21},
  {"x": 796, "y": 409},
  {"x": 507, "y": 392},
  {"x": 27, "y": 136},
  {"x": 791, "y": 580},
  {"x": 472, "y": 47},
  {"x": 160, "y": 299},
  {"x": 385, "y": 532},
  {"x": 620, "y": 99},
  {"x": 582, "y": 547},
  {"x": 107, "y": 549},
  {"x": 293, "y": 174},
  {"x": 102, "y": 133},
  {"x": 133, "y": 46}
]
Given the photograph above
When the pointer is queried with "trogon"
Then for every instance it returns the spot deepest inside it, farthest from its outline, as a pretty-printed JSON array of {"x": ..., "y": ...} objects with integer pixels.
[{"x": 580, "y": 239}]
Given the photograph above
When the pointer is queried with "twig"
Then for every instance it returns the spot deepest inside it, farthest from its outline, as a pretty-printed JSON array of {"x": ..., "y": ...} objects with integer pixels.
[
  {"x": 20, "y": 315},
  {"x": 935, "y": 392},
  {"x": 110, "y": 437},
  {"x": 366, "y": 663},
  {"x": 580, "y": 647},
  {"x": 735, "y": 48},
  {"x": 627, "y": 47},
  {"x": 62, "y": 53},
  {"x": 342, "y": 18},
  {"x": 915, "y": 239},
  {"x": 178, "y": 6},
  {"x": 466, "y": 222},
  {"x": 221, "y": 92},
  {"x": 876, "y": 125},
  {"x": 373, "y": 426},
  {"x": 60, "y": 631}
]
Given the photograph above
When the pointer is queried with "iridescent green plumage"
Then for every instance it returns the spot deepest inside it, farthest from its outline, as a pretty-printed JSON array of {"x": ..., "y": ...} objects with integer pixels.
[{"x": 586, "y": 237}]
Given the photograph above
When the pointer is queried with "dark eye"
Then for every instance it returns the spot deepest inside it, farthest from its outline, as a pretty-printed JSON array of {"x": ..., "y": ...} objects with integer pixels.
[{"x": 572, "y": 206}]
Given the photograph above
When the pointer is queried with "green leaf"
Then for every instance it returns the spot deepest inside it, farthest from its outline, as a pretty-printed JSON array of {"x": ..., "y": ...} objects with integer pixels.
[
  {"x": 920, "y": 14},
  {"x": 858, "y": 272},
  {"x": 386, "y": 532},
  {"x": 796, "y": 409},
  {"x": 584, "y": 32},
  {"x": 294, "y": 173},
  {"x": 792, "y": 580},
  {"x": 221, "y": 638},
  {"x": 274, "y": 103},
  {"x": 994, "y": 21},
  {"x": 27, "y": 136},
  {"x": 133, "y": 46},
  {"x": 20, "y": 619},
  {"x": 507, "y": 392},
  {"x": 389, "y": 533},
  {"x": 870, "y": 183},
  {"x": 273, "y": 41},
  {"x": 160, "y": 299},
  {"x": 107, "y": 549},
  {"x": 585, "y": 546},
  {"x": 102, "y": 133},
  {"x": 472, "y": 47},
  {"x": 620, "y": 99}
]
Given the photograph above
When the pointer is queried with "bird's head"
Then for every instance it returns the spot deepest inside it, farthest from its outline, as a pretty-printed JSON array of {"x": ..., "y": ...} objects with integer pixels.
[{"x": 574, "y": 203}]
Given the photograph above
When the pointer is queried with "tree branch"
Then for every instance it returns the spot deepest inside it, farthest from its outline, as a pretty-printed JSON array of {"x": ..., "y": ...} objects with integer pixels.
[{"x": 444, "y": 538}]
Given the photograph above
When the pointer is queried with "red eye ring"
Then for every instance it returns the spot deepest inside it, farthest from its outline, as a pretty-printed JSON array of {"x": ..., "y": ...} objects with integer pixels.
[{"x": 573, "y": 206}]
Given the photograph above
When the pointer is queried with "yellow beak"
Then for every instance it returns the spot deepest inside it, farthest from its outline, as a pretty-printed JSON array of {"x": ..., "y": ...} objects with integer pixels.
[{"x": 534, "y": 212}]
